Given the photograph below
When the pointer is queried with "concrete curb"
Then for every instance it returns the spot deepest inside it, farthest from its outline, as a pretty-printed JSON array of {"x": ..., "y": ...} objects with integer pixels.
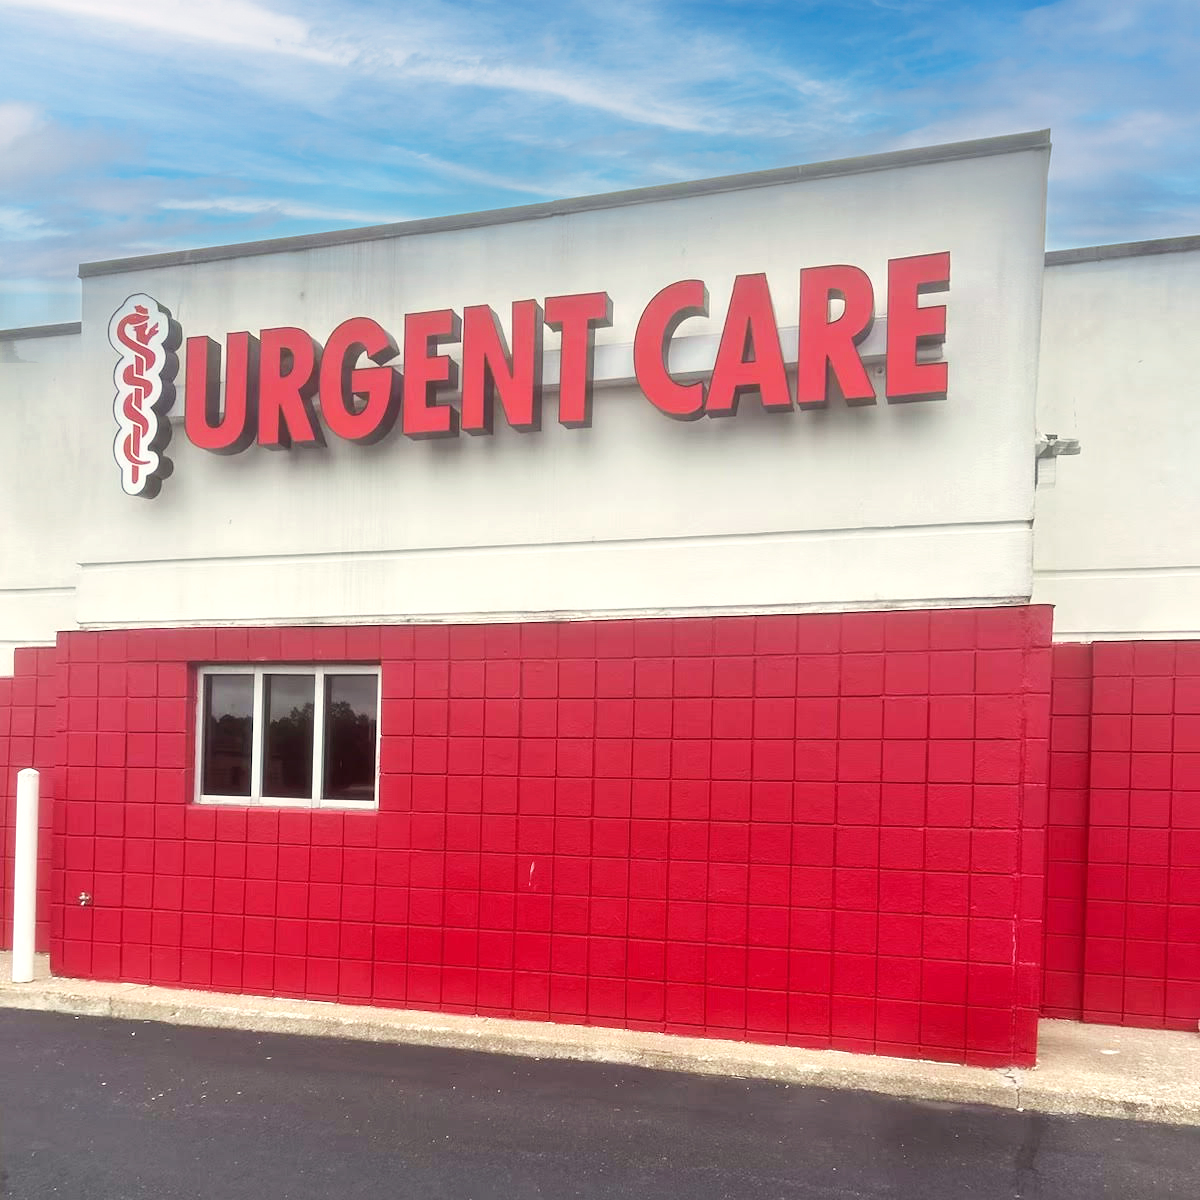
[
  {"x": 662, "y": 1052},
  {"x": 1149, "y": 1076}
]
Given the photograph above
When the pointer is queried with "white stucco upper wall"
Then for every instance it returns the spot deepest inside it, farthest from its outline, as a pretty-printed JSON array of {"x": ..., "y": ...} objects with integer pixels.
[
  {"x": 877, "y": 505},
  {"x": 1118, "y": 535},
  {"x": 39, "y": 469}
]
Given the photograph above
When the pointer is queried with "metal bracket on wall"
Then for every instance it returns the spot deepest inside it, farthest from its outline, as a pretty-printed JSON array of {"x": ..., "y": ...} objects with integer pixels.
[
  {"x": 1048, "y": 448},
  {"x": 1050, "y": 445}
]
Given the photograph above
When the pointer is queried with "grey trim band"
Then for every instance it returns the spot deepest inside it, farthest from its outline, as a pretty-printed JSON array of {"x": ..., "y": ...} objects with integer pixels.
[
  {"x": 979, "y": 148},
  {"x": 1174, "y": 245},
  {"x": 39, "y": 331}
]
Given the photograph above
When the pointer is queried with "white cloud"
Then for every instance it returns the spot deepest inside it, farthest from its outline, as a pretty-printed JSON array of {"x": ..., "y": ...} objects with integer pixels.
[
  {"x": 234, "y": 23},
  {"x": 256, "y": 206},
  {"x": 453, "y": 170},
  {"x": 19, "y": 224},
  {"x": 16, "y": 122},
  {"x": 32, "y": 146},
  {"x": 27, "y": 287},
  {"x": 588, "y": 90},
  {"x": 1116, "y": 84},
  {"x": 638, "y": 66}
]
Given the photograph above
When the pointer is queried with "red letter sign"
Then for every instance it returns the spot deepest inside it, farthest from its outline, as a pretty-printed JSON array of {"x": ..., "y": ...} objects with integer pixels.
[
  {"x": 749, "y": 358},
  {"x": 489, "y": 371},
  {"x": 271, "y": 381},
  {"x": 910, "y": 326},
  {"x": 829, "y": 349},
  {"x": 662, "y": 316},
  {"x": 577, "y": 319},
  {"x": 208, "y": 427},
  {"x": 426, "y": 373},
  {"x": 287, "y": 382},
  {"x": 341, "y": 382}
]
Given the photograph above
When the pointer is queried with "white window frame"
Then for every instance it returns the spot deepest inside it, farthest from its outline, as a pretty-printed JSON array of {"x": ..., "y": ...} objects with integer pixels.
[{"x": 259, "y": 671}]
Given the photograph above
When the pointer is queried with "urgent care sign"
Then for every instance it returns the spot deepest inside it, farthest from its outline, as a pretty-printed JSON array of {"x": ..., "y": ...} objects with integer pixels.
[{"x": 443, "y": 372}]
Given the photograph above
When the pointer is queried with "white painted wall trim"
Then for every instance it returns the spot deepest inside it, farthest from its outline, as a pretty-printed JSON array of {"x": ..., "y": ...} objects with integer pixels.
[{"x": 779, "y": 573}]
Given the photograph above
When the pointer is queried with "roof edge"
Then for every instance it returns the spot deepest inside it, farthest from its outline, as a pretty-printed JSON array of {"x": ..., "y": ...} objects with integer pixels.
[
  {"x": 63, "y": 328},
  {"x": 948, "y": 152},
  {"x": 1082, "y": 254}
]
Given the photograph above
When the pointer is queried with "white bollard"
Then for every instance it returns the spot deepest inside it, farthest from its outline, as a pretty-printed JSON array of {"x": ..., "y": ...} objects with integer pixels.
[{"x": 25, "y": 876}]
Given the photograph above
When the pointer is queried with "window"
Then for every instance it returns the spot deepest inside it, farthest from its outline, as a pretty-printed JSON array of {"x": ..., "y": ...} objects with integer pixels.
[{"x": 304, "y": 736}]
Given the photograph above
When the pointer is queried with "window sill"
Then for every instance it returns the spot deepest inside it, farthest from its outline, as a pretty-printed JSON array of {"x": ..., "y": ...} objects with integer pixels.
[{"x": 274, "y": 804}]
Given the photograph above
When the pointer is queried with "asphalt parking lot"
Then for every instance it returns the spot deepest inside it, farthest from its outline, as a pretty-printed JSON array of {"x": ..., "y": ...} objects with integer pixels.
[{"x": 118, "y": 1110}]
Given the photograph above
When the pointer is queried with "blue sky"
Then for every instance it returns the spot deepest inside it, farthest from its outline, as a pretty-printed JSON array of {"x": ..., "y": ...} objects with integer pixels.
[{"x": 135, "y": 126}]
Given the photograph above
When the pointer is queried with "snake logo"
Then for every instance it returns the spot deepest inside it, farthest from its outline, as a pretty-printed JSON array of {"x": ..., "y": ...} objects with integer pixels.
[{"x": 145, "y": 337}]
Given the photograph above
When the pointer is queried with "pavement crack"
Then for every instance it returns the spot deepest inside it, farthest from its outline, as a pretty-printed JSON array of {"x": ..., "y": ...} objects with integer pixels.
[
  {"x": 1027, "y": 1179},
  {"x": 1010, "y": 1073}
]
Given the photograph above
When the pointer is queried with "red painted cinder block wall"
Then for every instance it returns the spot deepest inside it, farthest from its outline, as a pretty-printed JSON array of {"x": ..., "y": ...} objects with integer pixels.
[
  {"x": 821, "y": 830},
  {"x": 1123, "y": 866},
  {"x": 1066, "y": 830},
  {"x": 28, "y": 721}
]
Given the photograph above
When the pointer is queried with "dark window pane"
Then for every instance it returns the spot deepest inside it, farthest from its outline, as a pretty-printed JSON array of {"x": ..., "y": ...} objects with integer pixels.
[
  {"x": 350, "y": 721},
  {"x": 228, "y": 730},
  {"x": 288, "y": 753}
]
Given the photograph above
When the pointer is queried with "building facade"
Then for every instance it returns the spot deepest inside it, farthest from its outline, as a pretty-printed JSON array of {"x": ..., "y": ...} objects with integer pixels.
[{"x": 662, "y": 610}]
